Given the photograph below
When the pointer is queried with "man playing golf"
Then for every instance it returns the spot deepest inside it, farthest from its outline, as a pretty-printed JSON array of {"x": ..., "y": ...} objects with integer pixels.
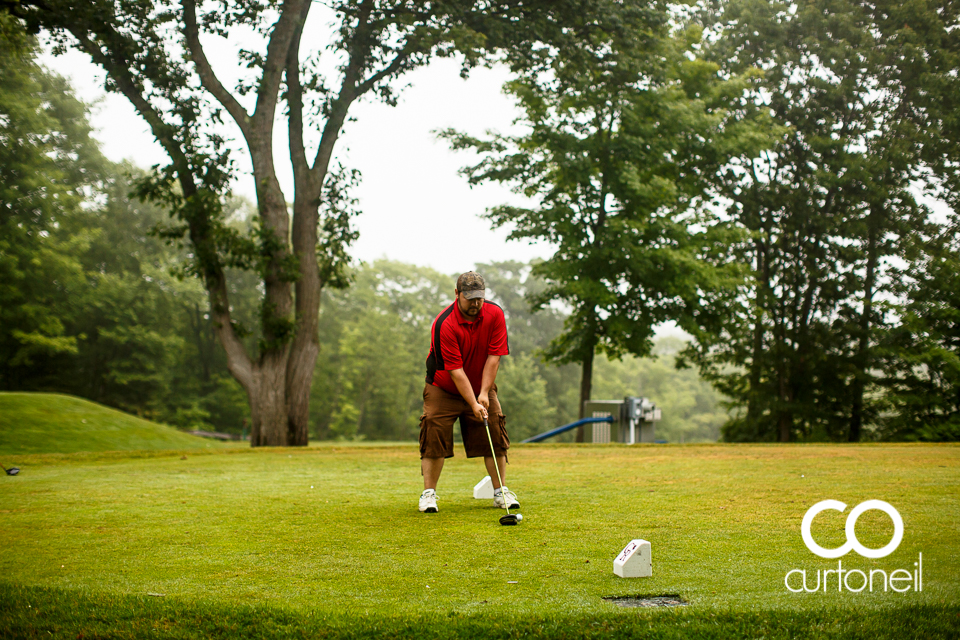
[{"x": 466, "y": 342}]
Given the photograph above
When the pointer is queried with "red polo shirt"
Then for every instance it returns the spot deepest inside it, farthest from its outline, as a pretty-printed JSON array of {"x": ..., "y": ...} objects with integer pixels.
[{"x": 456, "y": 343}]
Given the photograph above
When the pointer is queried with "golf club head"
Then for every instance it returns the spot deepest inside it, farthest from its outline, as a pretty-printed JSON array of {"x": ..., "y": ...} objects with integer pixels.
[
  {"x": 12, "y": 471},
  {"x": 509, "y": 519}
]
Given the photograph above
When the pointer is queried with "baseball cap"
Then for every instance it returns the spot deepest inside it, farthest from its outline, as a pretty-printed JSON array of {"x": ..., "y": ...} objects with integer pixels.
[{"x": 471, "y": 285}]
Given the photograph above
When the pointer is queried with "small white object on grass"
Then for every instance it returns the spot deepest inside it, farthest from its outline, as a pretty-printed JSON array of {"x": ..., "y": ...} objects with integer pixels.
[
  {"x": 634, "y": 561},
  {"x": 519, "y": 518},
  {"x": 484, "y": 489}
]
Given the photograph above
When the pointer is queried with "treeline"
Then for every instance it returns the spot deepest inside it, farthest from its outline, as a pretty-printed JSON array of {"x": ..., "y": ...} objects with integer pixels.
[
  {"x": 375, "y": 336},
  {"x": 92, "y": 303},
  {"x": 756, "y": 171},
  {"x": 95, "y": 304},
  {"x": 848, "y": 324}
]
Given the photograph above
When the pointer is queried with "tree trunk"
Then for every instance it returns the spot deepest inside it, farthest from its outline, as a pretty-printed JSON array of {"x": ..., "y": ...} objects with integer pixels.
[
  {"x": 268, "y": 403},
  {"x": 784, "y": 414},
  {"x": 753, "y": 400},
  {"x": 299, "y": 380},
  {"x": 586, "y": 382},
  {"x": 306, "y": 342},
  {"x": 784, "y": 417},
  {"x": 199, "y": 327},
  {"x": 863, "y": 347},
  {"x": 754, "y": 404}
]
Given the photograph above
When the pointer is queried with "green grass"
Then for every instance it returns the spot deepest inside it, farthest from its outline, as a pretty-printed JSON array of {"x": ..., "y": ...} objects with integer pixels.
[
  {"x": 327, "y": 542},
  {"x": 54, "y": 423}
]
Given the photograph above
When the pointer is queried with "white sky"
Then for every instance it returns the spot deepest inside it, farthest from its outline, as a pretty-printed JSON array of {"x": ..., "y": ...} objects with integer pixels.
[{"x": 415, "y": 207}]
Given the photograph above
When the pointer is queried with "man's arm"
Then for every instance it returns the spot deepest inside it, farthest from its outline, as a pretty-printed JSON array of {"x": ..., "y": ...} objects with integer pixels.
[
  {"x": 490, "y": 368},
  {"x": 466, "y": 391}
]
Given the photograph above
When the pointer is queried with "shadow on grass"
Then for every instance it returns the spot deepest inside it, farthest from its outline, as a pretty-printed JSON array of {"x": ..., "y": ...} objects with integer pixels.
[{"x": 29, "y": 612}]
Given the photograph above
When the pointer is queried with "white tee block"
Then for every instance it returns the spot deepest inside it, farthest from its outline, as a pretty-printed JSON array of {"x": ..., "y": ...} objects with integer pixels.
[
  {"x": 484, "y": 489},
  {"x": 634, "y": 561}
]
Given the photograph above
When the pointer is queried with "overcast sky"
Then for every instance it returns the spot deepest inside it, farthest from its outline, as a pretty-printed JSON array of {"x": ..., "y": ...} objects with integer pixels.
[{"x": 415, "y": 207}]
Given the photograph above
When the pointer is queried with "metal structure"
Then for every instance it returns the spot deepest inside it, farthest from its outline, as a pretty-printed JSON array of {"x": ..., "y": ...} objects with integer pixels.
[{"x": 629, "y": 421}]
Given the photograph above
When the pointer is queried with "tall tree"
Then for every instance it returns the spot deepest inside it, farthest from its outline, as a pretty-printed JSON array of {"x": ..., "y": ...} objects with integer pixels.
[
  {"x": 626, "y": 127},
  {"x": 829, "y": 211},
  {"x": 920, "y": 358},
  {"x": 153, "y": 54},
  {"x": 48, "y": 163}
]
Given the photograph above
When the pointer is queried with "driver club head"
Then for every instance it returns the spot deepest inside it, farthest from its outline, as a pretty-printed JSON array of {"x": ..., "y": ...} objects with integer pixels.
[
  {"x": 12, "y": 471},
  {"x": 509, "y": 519}
]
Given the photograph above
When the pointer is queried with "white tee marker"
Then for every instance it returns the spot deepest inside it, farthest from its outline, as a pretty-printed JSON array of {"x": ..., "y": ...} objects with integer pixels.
[
  {"x": 484, "y": 489},
  {"x": 634, "y": 561}
]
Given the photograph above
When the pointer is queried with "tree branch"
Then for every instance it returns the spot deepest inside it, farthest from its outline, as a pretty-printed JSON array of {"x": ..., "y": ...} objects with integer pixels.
[
  {"x": 346, "y": 96},
  {"x": 395, "y": 66},
  {"x": 298, "y": 152},
  {"x": 207, "y": 76},
  {"x": 278, "y": 50},
  {"x": 237, "y": 359},
  {"x": 348, "y": 93},
  {"x": 162, "y": 131}
]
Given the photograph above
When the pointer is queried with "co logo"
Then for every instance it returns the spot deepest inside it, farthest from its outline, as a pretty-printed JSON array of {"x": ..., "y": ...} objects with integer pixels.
[{"x": 852, "y": 543}]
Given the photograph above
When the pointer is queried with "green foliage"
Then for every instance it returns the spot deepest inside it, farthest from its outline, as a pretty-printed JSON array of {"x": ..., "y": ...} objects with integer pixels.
[
  {"x": 141, "y": 336},
  {"x": 140, "y": 333},
  {"x": 627, "y": 126},
  {"x": 89, "y": 304},
  {"x": 921, "y": 357},
  {"x": 374, "y": 339},
  {"x": 47, "y": 162},
  {"x": 152, "y": 53},
  {"x": 523, "y": 396},
  {"x": 692, "y": 410},
  {"x": 830, "y": 214}
]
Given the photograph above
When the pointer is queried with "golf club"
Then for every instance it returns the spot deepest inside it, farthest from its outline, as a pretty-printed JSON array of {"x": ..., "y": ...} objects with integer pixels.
[
  {"x": 509, "y": 519},
  {"x": 12, "y": 471}
]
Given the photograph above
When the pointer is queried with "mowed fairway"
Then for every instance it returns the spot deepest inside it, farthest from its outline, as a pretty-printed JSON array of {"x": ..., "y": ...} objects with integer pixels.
[{"x": 335, "y": 530}]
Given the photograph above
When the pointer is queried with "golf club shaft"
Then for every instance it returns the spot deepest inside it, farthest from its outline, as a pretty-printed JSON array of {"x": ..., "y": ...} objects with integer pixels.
[{"x": 496, "y": 466}]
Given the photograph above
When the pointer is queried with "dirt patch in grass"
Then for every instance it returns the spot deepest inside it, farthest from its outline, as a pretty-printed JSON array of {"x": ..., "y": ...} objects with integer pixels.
[{"x": 648, "y": 602}]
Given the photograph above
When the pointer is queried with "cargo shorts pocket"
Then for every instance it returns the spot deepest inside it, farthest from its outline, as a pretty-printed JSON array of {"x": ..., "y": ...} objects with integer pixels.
[
  {"x": 504, "y": 438},
  {"x": 423, "y": 436}
]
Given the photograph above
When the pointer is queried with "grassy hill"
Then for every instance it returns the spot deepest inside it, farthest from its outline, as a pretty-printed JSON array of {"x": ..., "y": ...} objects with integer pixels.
[{"x": 53, "y": 423}]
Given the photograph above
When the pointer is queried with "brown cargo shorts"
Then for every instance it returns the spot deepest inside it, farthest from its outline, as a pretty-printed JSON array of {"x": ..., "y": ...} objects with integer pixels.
[{"x": 441, "y": 410}]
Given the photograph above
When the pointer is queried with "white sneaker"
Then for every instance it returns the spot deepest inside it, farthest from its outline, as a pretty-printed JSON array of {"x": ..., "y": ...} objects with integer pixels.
[
  {"x": 428, "y": 501},
  {"x": 511, "y": 500}
]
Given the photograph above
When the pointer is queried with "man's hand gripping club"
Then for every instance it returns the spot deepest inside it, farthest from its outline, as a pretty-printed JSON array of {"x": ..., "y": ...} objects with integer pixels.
[{"x": 466, "y": 392}]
